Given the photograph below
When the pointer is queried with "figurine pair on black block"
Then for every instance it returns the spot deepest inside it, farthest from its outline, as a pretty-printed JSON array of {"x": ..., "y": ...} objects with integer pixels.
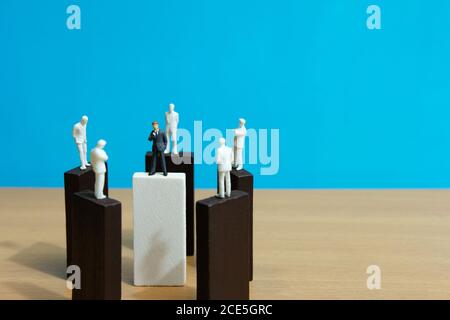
[
  {"x": 93, "y": 223},
  {"x": 98, "y": 156},
  {"x": 226, "y": 158}
]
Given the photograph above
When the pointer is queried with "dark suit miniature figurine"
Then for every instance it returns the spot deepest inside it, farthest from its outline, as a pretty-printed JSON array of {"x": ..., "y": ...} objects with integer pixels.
[{"x": 159, "y": 145}]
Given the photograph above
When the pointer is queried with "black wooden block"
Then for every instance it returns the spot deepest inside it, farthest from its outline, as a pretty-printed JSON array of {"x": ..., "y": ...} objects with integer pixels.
[
  {"x": 243, "y": 180},
  {"x": 183, "y": 162},
  {"x": 223, "y": 247},
  {"x": 76, "y": 180},
  {"x": 97, "y": 246}
]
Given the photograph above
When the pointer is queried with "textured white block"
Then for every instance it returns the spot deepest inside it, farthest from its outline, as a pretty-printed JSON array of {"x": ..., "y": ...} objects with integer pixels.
[{"x": 159, "y": 215}]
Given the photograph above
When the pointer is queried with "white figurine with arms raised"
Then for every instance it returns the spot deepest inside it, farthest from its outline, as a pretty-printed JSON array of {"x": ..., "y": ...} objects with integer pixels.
[
  {"x": 79, "y": 134},
  {"x": 224, "y": 159},
  {"x": 98, "y": 158},
  {"x": 239, "y": 143},
  {"x": 172, "y": 119}
]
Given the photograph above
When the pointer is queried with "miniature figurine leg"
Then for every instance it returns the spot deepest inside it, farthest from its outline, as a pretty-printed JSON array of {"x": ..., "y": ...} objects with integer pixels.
[
  {"x": 174, "y": 142},
  {"x": 228, "y": 183},
  {"x": 99, "y": 185},
  {"x": 163, "y": 163},
  {"x": 238, "y": 157},
  {"x": 86, "y": 163},
  {"x": 168, "y": 141},
  {"x": 82, "y": 154},
  {"x": 221, "y": 184},
  {"x": 153, "y": 165}
]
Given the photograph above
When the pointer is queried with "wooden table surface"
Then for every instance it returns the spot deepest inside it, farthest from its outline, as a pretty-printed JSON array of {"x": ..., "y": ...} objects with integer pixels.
[{"x": 307, "y": 245}]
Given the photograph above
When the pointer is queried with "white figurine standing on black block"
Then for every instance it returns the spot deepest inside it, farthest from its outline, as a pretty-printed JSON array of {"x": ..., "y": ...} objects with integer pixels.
[
  {"x": 224, "y": 159},
  {"x": 98, "y": 158},
  {"x": 239, "y": 143},
  {"x": 172, "y": 120},
  {"x": 79, "y": 134}
]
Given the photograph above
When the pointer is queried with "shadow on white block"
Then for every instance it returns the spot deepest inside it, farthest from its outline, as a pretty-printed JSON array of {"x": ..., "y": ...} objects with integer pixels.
[{"x": 159, "y": 214}]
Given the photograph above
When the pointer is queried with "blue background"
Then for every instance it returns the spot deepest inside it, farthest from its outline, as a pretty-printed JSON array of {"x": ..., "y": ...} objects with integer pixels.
[{"x": 356, "y": 108}]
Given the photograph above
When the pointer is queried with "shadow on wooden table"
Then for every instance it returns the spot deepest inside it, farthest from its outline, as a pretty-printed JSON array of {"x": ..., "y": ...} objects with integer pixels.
[
  {"x": 44, "y": 257},
  {"x": 127, "y": 270},
  {"x": 127, "y": 238}
]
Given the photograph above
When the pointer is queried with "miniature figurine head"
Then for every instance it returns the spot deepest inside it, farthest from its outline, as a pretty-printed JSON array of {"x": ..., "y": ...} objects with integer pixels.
[
  {"x": 101, "y": 144},
  {"x": 222, "y": 141},
  {"x": 84, "y": 120},
  {"x": 171, "y": 107},
  {"x": 155, "y": 125},
  {"x": 241, "y": 122}
]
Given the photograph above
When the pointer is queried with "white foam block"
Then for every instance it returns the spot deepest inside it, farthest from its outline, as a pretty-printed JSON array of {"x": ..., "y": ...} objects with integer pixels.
[{"x": 159, "y": 214}]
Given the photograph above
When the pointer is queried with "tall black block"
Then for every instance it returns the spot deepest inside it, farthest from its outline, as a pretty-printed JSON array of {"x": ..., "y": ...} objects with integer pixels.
[
  {"x": 76, "y": 180},
  {"x": 243, "y": 180},
  {"x": 183, "y": 162},
  {"x": 223, "y": 247},
  {"x": 97, "y": 246}
]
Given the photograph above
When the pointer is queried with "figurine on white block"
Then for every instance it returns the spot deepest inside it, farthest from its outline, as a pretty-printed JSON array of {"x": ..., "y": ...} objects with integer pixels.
[
  {"x": 224, "y": 159},
  {"x": 159, "y": 140},
  {"x": 98, "y": 158},
  {"x": 239, "y": 143},
  {"x": 172, "y": 120},
  {"x": 79, "y": 134}
]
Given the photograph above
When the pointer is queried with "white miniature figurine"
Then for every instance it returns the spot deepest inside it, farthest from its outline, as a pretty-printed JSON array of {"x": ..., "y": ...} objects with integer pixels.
[
  {"x": 172, "y": 120},
  {"x": 224, "y": 159},
  {"x": 239, "y": 143},
  {"x": 79, "y": 134},
  {"x": 98, "y": 158}
]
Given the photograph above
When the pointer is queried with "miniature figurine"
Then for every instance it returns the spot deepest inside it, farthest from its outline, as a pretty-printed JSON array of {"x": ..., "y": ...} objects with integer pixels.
[
  {"x": 239, "y": 143},
  {"x": 224, "y": 159},
  {"x": 159, "y": 145},
  {"x": 98, "y": 158},
  {"x": 172, "y": 120},
  {"x": 79, "y": 134}
]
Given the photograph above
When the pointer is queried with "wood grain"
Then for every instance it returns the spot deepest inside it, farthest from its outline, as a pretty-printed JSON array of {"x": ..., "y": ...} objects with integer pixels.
[{"x": 307, "y": 245}]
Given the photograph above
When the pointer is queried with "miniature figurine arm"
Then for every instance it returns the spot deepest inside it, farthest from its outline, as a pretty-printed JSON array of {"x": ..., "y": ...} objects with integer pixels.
[
  {"x": 218, "y": 157},
  {"x": 177, "y": 119},
  {"x": 93, "y": 158},
  {"x": 164, "y": 139},
  {"x": 75, "y": 131},
  {"x": 239, "y": 132},
  {"x": 232, "y": 157},
  {"x": 167, "y": 118},
  {"x": 151, "y": 136}
]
